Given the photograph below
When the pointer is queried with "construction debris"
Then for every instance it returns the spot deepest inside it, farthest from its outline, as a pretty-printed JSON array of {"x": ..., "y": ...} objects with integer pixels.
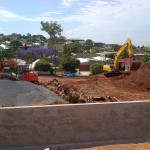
[{"x": 68, "y": 94}]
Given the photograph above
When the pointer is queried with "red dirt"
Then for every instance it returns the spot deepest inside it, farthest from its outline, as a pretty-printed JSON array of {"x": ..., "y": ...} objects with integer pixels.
[
  {"x": 133, "y": 87},
  {"x": 139, "y": 79}
]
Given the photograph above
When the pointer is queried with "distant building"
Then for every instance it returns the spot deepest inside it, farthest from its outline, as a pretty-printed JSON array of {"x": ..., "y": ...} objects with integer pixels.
[
  {"x": 105, "y": 54},
  {"x": 2, "y": 46},
  {"x": 99, "y": 44},
  {"x": 59, "y": 46},
  {"x": 22, "y": 40},
  {"x": 1, "y": 36},
  {"x": 76, "y": 40}
]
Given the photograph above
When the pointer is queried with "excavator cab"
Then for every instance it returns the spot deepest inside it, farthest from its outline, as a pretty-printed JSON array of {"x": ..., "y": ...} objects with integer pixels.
[{"x": 122, "y": 66}]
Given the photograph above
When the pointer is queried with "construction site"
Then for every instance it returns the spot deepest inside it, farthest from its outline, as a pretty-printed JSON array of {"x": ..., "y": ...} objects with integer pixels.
[
  {"x": 91, "y": 89},
  {"x": 57, "y": 112},
  {"x": 98, "y": 88}
]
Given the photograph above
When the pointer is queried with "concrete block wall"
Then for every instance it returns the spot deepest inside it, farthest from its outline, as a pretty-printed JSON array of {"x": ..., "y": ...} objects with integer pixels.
[{"x": 73, "y": 124}]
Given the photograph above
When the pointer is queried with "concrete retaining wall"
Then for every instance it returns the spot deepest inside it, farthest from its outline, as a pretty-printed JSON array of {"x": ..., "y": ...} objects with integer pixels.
[{"x": 72, "y": 124}]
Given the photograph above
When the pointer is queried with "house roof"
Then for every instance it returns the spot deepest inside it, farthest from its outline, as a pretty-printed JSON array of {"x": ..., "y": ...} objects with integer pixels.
[
  {"x": 68, "y": 42},
  {"x": 82, "y": 55},
  {"x": 100, "y": 58},
  {"x": 84, "y": 60},
  {"x": 3, "y": 46},
  {"x": 95, "y": 59},
  {"x": 75, "y": 39}
]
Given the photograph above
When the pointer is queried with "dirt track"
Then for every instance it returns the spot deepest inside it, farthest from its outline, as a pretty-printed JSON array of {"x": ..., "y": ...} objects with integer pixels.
[
  {"x": 139, "y": 146},
  {"x": 134, "y": 87}
]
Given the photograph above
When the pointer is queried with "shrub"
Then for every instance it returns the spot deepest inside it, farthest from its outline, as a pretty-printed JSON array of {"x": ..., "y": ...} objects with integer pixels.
[
  {"x": 43, "y": 65},
  {"x": 96, "y": 68}
]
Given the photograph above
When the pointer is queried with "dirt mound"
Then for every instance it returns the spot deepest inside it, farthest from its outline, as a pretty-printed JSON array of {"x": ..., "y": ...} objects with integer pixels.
[
  {"x": 77, "y": 91},
  {"x": 139, "y": 79},
  {"x": 20, "y": 93}
]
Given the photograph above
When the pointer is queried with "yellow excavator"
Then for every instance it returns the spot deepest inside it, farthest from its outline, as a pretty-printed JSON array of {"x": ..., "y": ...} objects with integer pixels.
[{"x": 119, "y": 67}]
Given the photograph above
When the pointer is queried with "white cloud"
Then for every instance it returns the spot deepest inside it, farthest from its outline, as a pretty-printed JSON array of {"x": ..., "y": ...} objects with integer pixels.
[
  {"x": 6, "y": 15},
  {"x": 72, "y": 31},
  {"x": 68, "y": 3},
  {"x": 112, "y": 20}
]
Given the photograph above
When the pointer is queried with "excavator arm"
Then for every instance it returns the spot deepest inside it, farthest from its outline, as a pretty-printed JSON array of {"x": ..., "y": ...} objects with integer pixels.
[{"x": 126, "y": 45}]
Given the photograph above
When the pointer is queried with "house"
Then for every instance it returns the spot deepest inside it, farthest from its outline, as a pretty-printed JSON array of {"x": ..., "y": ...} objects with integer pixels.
[
  {"x": 76, "y": 40},
  {"x": 1, "y": 36},
  {"x": 98, "y": 45},
  {"x": 2, "y": 46},
  {"x": 86, "y": 60},
  {"x": 105, "y": 54},
  {"x": 59, "y": 46},
  {"x": 23, "y": 40}
]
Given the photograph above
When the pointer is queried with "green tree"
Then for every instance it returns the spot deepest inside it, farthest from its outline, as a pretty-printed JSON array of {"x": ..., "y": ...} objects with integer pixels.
[
  {"x": 2, "y": 57},
  {"x": 14, "y": 45},
  {"x": 146, "y": 58},
  {"x": 71, "y": 65},
  {"x": 77, "y": 48},
  {"x": 29, "y": 57},
  {"x": 9, "y": 54},
  {"x": 15, "y": 36},
  {"x": 67, "y": 62},
  {"x": 43, "y": 65},
  {"x": 116, "y": 47},
  {"x": 96, "y": 50},
  {"x": 112, "y": 56},
  {"x": 96, "y": 68},
  {"x": 88, "y": 44},
  {"x": 53, "y": 29}
]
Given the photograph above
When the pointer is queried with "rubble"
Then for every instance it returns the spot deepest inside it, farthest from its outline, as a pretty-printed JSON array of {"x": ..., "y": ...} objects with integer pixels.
[{"x": 67, "y": 93}]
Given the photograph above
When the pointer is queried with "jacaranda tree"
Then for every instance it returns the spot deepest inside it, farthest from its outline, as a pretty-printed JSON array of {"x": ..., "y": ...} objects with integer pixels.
[{"x": 37, "y": 53}]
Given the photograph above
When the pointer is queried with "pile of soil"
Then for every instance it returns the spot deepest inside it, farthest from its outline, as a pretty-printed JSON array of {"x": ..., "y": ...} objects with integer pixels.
[
  {"x": 139, "y": 79},
  {"x": 21, "y": 93}
]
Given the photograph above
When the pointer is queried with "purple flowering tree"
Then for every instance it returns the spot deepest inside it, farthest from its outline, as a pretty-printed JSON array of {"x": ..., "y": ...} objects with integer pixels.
[{"x": 37, "y": 53}]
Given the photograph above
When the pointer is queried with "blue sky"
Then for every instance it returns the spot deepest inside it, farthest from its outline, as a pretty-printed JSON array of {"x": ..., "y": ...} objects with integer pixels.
[{"x": 108, "y": 21}]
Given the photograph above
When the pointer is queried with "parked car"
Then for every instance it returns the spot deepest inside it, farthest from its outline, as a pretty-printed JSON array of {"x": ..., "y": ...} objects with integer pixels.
[{"x": 68, "y": 74}]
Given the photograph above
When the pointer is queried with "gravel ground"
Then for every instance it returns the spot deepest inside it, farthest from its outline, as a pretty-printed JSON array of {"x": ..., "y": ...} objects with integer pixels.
[{"x": 21, "y": 93}]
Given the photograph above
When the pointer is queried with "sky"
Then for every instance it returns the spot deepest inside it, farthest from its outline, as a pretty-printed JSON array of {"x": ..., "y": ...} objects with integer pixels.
[{"x": 107, "y": 21}]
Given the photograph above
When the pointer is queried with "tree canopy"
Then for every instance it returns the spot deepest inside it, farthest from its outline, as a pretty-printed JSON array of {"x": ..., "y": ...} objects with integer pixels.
[
  {"x": 8, "y": 54},
  {"x": 14, "y": 45},
  {"x": 43, "y": 65},
  {"x": 37, "y": 53},
  {"x": 67, "y": 62},
  {"x": 88, "y": 44},
  {"x": 54, "y": 30},
  {"x": 96, "y": 68}
]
